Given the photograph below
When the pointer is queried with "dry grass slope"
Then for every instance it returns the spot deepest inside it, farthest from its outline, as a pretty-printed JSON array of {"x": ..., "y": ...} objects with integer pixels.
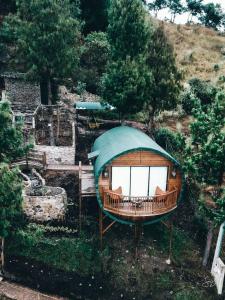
[{"x": 200, "y": 52}]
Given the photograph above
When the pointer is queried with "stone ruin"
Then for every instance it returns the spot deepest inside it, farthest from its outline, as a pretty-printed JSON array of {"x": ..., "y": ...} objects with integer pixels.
[{"x": 42, "y": 203}]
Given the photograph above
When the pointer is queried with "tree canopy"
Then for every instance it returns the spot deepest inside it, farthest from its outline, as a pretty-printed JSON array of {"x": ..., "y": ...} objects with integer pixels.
[
  {"x": 126, "y": 81},
  {"x": 46, "y": 34},
  {"x": 165, "y": 86}
]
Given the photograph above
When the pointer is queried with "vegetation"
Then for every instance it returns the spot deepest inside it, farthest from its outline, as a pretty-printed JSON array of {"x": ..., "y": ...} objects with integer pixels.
[
  {"x": 11, "y": 146},
  {"x": 39, "y": 27},
  {"x": 209, "y": 14},
  {"x": 11, "y": 138},
  {"x": 129, "y": 59},
  {"x": 165, "y": 85},
  {"x": 94, "y": 57},
  {"x": 127, "y": 80},
  {"x": 77, "y": 254}
]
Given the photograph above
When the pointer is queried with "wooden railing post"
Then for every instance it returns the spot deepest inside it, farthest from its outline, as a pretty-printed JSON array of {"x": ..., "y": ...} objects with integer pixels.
[{"x": 44, "y": 160}]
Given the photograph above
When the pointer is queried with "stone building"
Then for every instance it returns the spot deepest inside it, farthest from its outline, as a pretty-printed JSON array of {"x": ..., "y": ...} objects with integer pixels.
[{"x": 24, "y": 96}]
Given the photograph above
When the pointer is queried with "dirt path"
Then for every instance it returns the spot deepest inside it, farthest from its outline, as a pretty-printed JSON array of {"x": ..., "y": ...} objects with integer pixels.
[{"x": 17, "y": 292}]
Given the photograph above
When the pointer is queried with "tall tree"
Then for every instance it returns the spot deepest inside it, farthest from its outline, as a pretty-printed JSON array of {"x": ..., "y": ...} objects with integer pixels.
[
  {"x": 127, "y": 80},
  {"x": 157, "y": 5},
  {"x": 165, "y": 85},
  {"x": 194, "y": 7},
  {"x": 212, "y": 16},
  {"x": 46, "y": 34},
  {"x": 175, "y": 7},
  {"x": 128, "y": 30}
]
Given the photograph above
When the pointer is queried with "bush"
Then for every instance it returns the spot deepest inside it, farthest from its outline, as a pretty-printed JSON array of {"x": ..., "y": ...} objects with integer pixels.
[
  {"x": 216, "y": 67},
  {"x": 169, "y": 140},
  {"x": 188, "y": 101},
  {"x": 204, "y": 91}
]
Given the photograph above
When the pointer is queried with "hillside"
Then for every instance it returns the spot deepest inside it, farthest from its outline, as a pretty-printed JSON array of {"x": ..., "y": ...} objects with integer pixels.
[{"x": 200, "y": 52}]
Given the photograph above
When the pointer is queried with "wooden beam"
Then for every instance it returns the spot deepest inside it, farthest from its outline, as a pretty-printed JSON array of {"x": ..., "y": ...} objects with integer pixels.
[
  {"x": 108, "y": 227},
  {"x": 100, "y": 227},
  {"x": 80, "y": 196}
]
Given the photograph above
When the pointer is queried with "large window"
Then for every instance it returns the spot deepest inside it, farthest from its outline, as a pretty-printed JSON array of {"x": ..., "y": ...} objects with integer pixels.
[
  {"x": 139, "y": 181},
  {"x": 121, "y": 177},
  {"x": 158, "y": 177}
]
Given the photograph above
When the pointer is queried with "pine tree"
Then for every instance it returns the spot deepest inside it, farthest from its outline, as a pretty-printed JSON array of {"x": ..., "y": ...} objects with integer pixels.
[
  {"x": 46, "y": 36},
  {"x": 128, "y": 30},
  {"x": 126, "y": 81},
  {"x": 165, "y": 85}
]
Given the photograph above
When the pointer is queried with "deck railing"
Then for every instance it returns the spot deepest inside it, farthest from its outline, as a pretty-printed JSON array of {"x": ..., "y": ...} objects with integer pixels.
[{"x": 139, "y": 206}]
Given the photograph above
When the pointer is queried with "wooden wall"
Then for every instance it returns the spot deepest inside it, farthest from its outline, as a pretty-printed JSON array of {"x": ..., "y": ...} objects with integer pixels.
[{"x": 143, "y": 158}]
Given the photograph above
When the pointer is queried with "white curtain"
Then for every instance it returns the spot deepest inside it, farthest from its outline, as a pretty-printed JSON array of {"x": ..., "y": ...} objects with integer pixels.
[
  {"x": 158, "y": 177},
  {"x": 139, "y": 181},
  {"x": 121, "y": 177}
]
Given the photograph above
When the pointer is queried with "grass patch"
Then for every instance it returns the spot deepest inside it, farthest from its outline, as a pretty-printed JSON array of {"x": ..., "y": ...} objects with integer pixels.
[{"x": 78, "y": 255}]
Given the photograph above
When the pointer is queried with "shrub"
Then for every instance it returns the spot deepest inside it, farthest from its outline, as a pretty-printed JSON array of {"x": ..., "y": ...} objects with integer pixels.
[
  {"x": 169, "y": 140},
  {"x": 216, "y": 67},
  {"x": 188, "y": 101},
  {"x": 203, "y": 90}
]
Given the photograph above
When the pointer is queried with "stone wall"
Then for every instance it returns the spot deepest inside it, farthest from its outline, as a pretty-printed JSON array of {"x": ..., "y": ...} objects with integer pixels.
[
  {"x": 62, "y": 122},
  {"x": 58, "y": 155},
  {"x": 52, "y": 206},
  {"x": 24, "y": 96}
]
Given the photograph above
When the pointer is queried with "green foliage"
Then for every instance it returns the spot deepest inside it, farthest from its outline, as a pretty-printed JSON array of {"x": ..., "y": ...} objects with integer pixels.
[
  {"x": 126, "y": 81},
  {"x": 125, "y": 85},
  {"x": 11, "y": 138},
  {"x": 203, "y": 90},
  {"x": 157, "y": 5},
  {"x": 81, "y": 87},
  {"x": 194, "y": 7},
  {"x": 94, "y": 57},
  {"x": 212, "y": 16},
  {"x": 169, "y": 140},
  {"x": 216, "y": 67},
  {"x": 206, "y": 152},
  {"x": 188, "y": 101},
  {"x": 128, "y": 30},
  {"x": 69, "y": 254},
  {"x": 10, "y": 198},
  {"x": 94, "y": 14},
  {"x": 165, "y": 86},
  {"x": 175, "y": 7},
  {"x": 40, "y": 26},
  {"x": 191, "y": 293}
]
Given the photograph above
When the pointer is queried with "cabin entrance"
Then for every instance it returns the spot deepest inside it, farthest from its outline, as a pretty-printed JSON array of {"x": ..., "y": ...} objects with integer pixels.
[{"x": 139, "y": 181}]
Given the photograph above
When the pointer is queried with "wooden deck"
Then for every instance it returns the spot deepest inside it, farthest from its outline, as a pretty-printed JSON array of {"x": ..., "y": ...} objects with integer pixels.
[{"x": 129, "y": 206}]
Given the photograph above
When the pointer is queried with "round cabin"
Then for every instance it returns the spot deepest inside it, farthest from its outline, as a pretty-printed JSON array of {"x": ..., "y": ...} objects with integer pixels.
[{"x": 136, "y": 180}]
